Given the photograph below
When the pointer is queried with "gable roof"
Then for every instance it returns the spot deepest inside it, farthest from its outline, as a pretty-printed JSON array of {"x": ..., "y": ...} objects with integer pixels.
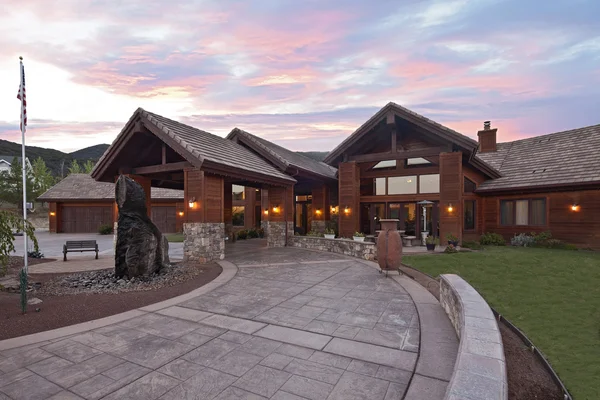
[
  {"x": 76, "y": 187},
  {"x": 200, "y": 148},
  {"x": 9, "y": 159},
  {"x": 558, "y": 159},
  {"x": 282, "y": 157},
  {"x": 449, "y": 134}
]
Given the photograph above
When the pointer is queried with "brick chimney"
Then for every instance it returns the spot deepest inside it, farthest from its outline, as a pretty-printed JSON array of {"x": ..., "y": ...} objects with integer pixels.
[{"x": 487, "y": 138}]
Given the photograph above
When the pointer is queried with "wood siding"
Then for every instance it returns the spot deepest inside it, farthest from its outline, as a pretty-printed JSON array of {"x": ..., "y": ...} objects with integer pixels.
[
  {"x": 53, "y": 219},
  {"x": 213, "y": 198},
  {"x": 85, "y": 219},
  {"x": 581, "y": 228},
  {"x": 349, "y": 196},
  {"x": 451, "y": 193},
  {"x": 193, "y": 188},
  {"x": 283, "y": 198},
  {"x": 320, "y": 201},
  {"x": 165, "y": 218}
]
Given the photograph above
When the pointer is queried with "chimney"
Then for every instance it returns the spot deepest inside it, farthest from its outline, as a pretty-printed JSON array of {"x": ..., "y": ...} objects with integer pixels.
[{"x": 487, "y": 138}]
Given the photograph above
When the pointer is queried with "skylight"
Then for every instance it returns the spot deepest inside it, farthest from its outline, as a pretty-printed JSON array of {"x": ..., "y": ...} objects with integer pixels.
[
  {"x": 385, "y": 164},
  {"x": 417, "y": 161}
]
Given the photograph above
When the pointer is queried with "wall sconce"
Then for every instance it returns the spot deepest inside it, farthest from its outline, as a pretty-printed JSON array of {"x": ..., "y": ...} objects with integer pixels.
[
  {"x": 319, "y": 211},
  {"x": 180, "y": 213},
  {"x": 266, "y": 212},
  {"x": 450, "y": 208},
  {"x": 575, "y": 207},
  {"x": 276, "y": 209},
  {"x": 346, "y": 210},
  {"x": 52, "y": 213},
  {"x": 334, "y": 209},
  {"x": 192, "y": 202}
]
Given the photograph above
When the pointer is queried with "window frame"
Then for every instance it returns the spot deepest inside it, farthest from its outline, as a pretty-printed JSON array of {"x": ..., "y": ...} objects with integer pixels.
[
  {"x": 474, "y": 228},
  {"x": 529, "y": 212}
]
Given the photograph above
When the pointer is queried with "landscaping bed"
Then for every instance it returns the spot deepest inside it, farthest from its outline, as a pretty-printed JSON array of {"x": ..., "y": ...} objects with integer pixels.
[
  {"x": 552, "y": 295},
  {"x": 63, "y": 304}
]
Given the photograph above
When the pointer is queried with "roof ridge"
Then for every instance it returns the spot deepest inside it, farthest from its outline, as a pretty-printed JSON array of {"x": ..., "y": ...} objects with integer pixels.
[
  {"x": 551, "y": 134},
  {"x": 152, "y": 118},
  {"x": 254, "y": 137}
]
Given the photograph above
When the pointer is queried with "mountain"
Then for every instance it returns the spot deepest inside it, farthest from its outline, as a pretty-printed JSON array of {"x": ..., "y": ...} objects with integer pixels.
[
  {"x": 90, "y": 153},
  {"x": 315, "y": 155},
  {"x": 56, "y": 161}
]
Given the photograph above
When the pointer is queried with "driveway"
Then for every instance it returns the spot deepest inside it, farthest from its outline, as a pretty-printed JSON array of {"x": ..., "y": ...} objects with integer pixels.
[{"x": 290, "y": 324}]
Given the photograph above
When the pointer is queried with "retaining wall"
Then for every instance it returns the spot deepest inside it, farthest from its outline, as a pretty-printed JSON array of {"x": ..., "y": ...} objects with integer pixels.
[{"x": 348, "y": 247}]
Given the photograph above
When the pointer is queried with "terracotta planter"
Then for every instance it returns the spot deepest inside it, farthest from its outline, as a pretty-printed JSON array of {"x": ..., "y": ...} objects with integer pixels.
[{"x": 389, "y": 246}]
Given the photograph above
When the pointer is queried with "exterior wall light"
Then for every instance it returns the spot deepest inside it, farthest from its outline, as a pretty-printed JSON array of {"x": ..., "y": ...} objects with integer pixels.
[
  {"x": 450, "y": 208},
  {"x": 180, "y": 213},
  {"x": 52, "y": 213},
  {"x": 276, "y": 209},
  {"x": 575, "y": 207},
  {"x": 346, "y": 210},
  {"x": 192, "y": 202},
  {"x": 266, "y": 212},
  {"x": 319, "y": 211}
]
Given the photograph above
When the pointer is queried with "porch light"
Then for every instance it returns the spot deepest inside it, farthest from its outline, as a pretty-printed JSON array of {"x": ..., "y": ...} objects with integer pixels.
[
  {"x": 346, "y": 210},
  {"x": 192, "y": 202},
  {"x": 180, "y": 213},
  {"x": 334, "y": 209},
  {"x": 276, "y": 209},
  {"x": 52, "y": 213},
  {"x": 266, "y": 212},
  {"x": 575, "y": 207},
  {"x": 319, "y": 211},
  {"x": 450, "y": 208}
]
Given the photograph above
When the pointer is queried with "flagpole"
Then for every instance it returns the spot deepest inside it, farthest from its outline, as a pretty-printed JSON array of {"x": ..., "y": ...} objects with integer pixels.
[{"x": 22, "y": 88}]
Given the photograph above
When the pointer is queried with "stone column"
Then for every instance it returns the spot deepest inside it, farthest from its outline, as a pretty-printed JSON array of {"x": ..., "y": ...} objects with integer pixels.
[
  {"x": 320, "y": 208},
  {"x": 279, "y": 227},
  {"x": 451, "y": 192}
]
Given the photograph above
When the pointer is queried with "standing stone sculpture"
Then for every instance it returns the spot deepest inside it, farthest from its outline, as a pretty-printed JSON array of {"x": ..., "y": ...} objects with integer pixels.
[{"x": 141, "y": 249}]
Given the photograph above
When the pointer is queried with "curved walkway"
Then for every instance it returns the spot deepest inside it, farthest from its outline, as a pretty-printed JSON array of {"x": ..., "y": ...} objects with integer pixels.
[{"x": 291, "y": 324}]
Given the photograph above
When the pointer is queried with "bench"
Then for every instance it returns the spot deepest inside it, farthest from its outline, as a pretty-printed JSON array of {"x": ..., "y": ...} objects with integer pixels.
[
  {"x": 80, "y": 246},
  {"x": 408, "y": 240}
]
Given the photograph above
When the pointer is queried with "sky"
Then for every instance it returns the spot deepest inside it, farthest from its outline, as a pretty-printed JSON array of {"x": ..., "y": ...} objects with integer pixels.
[{"x": 303, "y": 74}]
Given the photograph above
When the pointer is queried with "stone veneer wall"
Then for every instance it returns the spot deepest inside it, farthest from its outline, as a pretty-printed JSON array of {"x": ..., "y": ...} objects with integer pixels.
[
  {"x": 364, "y": 250},
  {"x": 318, "y": 226},
  {"x": 275, "y": 233},
  {"x": 480, "y": 369},
  {"x": 204, "y": 241}
]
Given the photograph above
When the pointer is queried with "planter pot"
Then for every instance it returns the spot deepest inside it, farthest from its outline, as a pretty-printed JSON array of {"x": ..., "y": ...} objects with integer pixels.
[
  {"x": 430, "y": 247},
  {"x": 453, "y": 243},
  {"x": 389, "y": 246},
  {"x": 327, "y": 236},
  {"x": 358, "y": 239}
]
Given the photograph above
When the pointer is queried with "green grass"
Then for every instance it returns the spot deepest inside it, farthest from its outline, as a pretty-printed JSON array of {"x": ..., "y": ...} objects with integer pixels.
[
  {"x": 175, "y": 237},
  {"x": 551, "y": 295}
]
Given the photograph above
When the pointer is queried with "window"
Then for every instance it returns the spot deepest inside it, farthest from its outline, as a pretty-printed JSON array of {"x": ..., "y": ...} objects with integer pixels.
[
  {"x": 379, "y": 186},
  {"x": 237, "y": 216},
  {"x": 523, "y": 212},
  {"x": 469, "y": 186},
  {"x": 417, "y": 161},
  {"x": 429, "y": 183},
  {"x": 385, "y": 164},
  {"x": 402, "y": 185},
  {"x": 469, "y": 222},
  {"x": 238, "y": 192}
]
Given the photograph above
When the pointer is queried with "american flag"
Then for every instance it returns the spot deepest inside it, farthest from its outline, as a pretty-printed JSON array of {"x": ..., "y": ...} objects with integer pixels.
[{"x": 24, "y": 99}]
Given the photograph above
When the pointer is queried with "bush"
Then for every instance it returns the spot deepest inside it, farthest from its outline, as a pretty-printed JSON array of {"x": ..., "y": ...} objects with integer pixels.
[
  {"x": 242, "y": 235},
  {"x": 522, "y": 240},
  {"x": 471, "y": 244},
  {"x": 252, "y": 234},
  {"x": 105, "y": 229},
  {"x": 314, "y": 233},
  {"x": 450, "y": 249},
  {"x": 261, "y": 232},
  {"x": 329, "y": 231},
  {"x": 492, "y": 239}
]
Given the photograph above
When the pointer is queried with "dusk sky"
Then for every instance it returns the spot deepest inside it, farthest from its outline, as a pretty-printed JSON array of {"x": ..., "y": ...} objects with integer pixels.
[{"x": 304, "y": 74}]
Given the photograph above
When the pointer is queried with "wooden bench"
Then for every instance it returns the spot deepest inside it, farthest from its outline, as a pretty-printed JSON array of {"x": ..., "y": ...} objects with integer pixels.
[{"x": 80, "y": 246}]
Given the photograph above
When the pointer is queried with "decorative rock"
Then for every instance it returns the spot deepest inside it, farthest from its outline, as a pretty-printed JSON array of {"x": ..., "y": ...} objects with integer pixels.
[
  {"x": 140, "y": 248},
  {"x": 34, "y": 301}
]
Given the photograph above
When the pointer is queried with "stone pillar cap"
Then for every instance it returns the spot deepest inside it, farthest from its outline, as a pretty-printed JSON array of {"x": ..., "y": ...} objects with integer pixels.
[{"x": 389, "y": 220}]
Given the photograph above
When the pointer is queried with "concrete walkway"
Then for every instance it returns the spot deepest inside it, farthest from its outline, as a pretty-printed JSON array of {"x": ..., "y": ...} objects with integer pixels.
[{"x": 290, "y": 324}]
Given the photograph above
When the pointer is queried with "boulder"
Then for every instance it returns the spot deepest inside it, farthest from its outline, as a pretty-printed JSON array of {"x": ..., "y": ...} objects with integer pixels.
[{"x": 141, "y": 249}]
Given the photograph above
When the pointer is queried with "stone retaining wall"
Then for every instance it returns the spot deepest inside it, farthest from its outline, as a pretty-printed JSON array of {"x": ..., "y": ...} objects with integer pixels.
[
  {"x": 204, "y": 242},
  {"x": 480, "y": 369},
  {"x": 275, "y": 233},
  {"x": 364, "y": 250}
]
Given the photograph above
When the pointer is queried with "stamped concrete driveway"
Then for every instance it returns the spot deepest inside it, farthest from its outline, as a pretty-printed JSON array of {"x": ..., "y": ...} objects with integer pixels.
[{"x": 291, "y": 324}]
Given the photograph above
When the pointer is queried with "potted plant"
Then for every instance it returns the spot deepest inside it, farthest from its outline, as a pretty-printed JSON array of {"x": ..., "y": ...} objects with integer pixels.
[
  {"x": 329, "y": 234},
  {"x": 453, "y": 240},
  {"x": 359, "y": 237},
  {"x": 431, "y": 242}
]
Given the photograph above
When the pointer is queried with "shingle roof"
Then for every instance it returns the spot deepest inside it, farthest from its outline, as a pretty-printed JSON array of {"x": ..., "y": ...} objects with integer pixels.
[
  {"x": 285, "y": 156},
  {"x": 562, "y": 158},
  {"x": 9, "y": 159},
  {"x": 84, "y": 187}
]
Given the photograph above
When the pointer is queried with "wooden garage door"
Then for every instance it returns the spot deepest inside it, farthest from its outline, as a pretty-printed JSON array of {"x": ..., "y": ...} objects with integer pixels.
[
  {"x": 164, "y": 218},
  {"x": 80, "y": 219}
]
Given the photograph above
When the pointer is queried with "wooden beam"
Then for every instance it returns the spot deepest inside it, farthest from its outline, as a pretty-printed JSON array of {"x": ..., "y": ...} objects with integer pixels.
[
  {"x": 161, "y": 168},
  {"x": 394, "y": 146},
  {"x": 399, "y": 155},
  {"x": 164, "y": 153}
]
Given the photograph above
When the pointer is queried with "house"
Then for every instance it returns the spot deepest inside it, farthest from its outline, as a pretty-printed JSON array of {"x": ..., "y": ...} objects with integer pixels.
[
  {"x": 6, "y": 162},
  {"x": 398, "y": 164}
]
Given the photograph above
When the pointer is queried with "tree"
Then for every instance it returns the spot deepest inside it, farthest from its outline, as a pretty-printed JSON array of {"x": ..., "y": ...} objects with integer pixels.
[
  {"x": 11, "y": 186},
  {"x": 10, "y": 222},
  {"x": 42, "y": 177},
  {"x": 74, "y": 168},
  {"x": 88, "y": 166}
]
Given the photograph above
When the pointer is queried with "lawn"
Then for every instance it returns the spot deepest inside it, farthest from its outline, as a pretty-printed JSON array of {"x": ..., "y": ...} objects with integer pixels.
[
  {"x": 551, "y": 295},
  {"x": 175, "y": 237}
]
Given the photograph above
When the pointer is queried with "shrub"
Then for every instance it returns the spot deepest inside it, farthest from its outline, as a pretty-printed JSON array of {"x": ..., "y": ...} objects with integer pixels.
[
  {"x": 252, "y": 234},
  {"x": 492, "y": 239},
  {"x": 471, "y": 244},
  {"x": 314, "y": 233},
  {"x": 242, "y": 235},
  {"x": 522, "y": 240},
  {"x": 450, "y": 249},
  {"x": 261, "y": 232},
  {"x": 432, "y": 240},
  {"x": 105, "y": 229},
  {"x": 451, "y": 238},
  {"x": 359, "y": 234},
  {"x": 329, "y": 231}
]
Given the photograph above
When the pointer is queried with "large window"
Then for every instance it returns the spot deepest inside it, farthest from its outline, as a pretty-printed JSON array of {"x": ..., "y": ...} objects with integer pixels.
[
  {"x": 238, "y": 192},
  {"x": 402, "y": 185},
  {"x": 429, "y": 183},
  {"x": 523, "y": 212},
  {"x": 469, "y": 209},
  {"x": 237, "y": 216},
  {"x": 469, "y": 186},
  {"x": 380, "y": 186}
]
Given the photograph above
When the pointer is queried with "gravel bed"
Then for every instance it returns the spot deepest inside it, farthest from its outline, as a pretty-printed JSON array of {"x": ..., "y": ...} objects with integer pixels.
[{"x": 104, "y": 281}]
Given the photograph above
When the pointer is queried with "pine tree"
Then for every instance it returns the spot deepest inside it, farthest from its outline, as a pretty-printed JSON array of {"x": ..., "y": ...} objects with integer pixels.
[
  {"x": 42, "y": 177},
  {"x": 11, "y": 186},
  {"x": 74, "y": 168},
  {"x": 88, "y": 166}
]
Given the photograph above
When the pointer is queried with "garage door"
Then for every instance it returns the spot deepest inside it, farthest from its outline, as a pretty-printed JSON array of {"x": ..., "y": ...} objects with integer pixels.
[
  {"x": 164, "y": 218},
  {"x": 78, "y": 219}
]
